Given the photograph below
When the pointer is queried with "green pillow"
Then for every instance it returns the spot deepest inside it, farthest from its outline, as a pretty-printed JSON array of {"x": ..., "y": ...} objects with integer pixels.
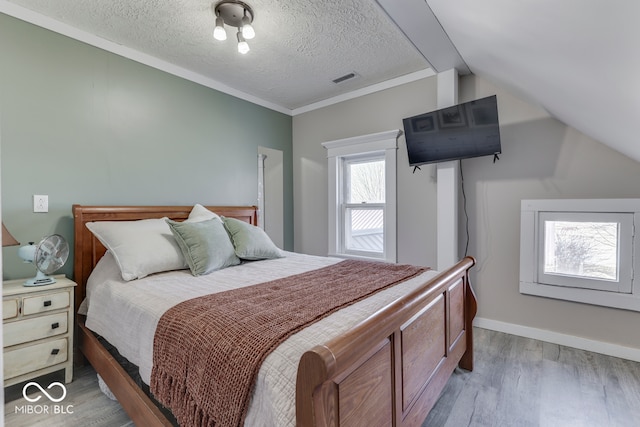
[
  {"x": 250, "y": 242},
  {"x": 205, "y": 245}
]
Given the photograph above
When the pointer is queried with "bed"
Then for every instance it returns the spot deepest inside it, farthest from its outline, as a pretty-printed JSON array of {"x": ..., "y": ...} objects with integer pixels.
[{"x": 387, "y": 369}]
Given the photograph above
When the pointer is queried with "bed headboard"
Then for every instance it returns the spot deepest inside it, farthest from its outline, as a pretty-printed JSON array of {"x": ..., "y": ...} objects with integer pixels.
[{"x": 88, "y": 250}]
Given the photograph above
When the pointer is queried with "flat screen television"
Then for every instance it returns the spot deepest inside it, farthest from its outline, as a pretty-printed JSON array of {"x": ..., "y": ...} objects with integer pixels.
[{"x": 465, "y": 130}]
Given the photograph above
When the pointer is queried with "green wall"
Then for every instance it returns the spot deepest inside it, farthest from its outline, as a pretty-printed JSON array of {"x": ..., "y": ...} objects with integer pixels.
[{"x": 82, "y": 125}]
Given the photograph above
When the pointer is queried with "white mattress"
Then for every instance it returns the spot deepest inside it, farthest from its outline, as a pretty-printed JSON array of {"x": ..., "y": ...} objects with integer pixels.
[{"x": 126, "y": 315}]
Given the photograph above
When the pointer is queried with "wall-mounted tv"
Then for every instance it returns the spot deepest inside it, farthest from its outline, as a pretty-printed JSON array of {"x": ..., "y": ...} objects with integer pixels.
[{"x": 465, "y": 130}]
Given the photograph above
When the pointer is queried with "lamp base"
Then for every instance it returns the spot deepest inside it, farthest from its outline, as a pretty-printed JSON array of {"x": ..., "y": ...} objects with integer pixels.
[{"x": 41, "y": 279}]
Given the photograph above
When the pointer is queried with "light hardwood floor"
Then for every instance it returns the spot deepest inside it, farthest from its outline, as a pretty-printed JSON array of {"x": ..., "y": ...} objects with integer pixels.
[
  {"x": 90, "y": 407},
  {"x": 516, "y": 382},
  {"x": 523, "y": 382}
]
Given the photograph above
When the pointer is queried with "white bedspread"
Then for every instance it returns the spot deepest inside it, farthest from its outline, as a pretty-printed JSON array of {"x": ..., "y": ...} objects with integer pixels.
[{"x": 126, "y": 315}]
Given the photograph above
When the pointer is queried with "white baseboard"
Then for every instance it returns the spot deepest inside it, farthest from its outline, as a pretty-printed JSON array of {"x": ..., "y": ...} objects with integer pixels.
[{"x": 561, "y": 339}]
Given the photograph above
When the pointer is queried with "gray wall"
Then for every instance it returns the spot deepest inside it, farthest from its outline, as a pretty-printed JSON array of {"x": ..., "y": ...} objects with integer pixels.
[
  {"x": 86, "y": 126},
  {"x": 372, "y": 113},
  {"x": 542, "y": 158}
]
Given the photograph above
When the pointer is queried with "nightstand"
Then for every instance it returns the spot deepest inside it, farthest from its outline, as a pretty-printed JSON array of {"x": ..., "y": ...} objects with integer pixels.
[{"x": 37, "y": 329}]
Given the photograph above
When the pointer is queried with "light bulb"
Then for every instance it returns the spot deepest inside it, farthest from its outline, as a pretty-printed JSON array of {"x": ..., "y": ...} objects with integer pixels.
[
  {"x": 247, "y": 30},
  {"x": 243, "y": 46},
  {"x": 219, "y": 32}
]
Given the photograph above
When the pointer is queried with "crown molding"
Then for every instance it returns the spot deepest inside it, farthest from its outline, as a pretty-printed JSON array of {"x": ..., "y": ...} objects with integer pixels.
[{"x": 387, "y": 84}]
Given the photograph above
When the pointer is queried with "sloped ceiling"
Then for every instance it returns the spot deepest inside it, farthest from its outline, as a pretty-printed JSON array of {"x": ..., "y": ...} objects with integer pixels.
[
  {"x": 579, "y": 59},
  {"x": 576, "y": 58}
]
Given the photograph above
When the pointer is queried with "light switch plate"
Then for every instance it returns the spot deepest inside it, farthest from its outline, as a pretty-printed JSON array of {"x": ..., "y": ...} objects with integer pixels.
[{"x": 40, "y": 203}]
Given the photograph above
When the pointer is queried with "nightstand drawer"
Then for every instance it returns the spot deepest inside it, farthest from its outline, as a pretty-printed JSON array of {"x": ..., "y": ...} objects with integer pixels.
[
  {"x": 9, "y": 308},
  {"x": 34, "y": 329},
  {"x": 43, "y": 303},
  {"x": 34, "y": 357}
]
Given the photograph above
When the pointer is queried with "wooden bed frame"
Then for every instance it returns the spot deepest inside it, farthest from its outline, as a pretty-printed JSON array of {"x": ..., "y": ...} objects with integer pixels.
[{"x": 388, "y": 370}]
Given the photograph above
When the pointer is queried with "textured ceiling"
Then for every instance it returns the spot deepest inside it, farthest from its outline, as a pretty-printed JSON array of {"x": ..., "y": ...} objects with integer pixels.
[
  {"x": 576, "y": 58},
  {"x": 299, "y": 48}
]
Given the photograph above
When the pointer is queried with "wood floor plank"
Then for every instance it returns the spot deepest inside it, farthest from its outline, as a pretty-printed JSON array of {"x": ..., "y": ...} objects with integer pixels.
[
  {"x": 519, "y": 391},
  {"x": 628, "y": 375},
  {"x": 477, "y": 405}
]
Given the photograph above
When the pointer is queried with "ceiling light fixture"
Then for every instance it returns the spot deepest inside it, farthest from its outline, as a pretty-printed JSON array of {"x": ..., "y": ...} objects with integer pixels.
[{"x": 235, "y": 14}]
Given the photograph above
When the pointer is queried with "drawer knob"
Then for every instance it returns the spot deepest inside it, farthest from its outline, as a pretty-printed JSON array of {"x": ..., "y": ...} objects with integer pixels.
[
  {"x": 55, "y": 351},
  {"x": 47, "y": 303},
  {"x": 55, "y": 325}
]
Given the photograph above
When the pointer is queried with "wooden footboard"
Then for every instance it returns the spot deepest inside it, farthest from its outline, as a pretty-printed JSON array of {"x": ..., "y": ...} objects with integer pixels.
[{"x": 391, "y": 368}]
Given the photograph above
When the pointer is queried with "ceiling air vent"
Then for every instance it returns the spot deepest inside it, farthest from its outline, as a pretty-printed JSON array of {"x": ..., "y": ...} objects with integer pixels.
[{"x": 346, "y": 77}]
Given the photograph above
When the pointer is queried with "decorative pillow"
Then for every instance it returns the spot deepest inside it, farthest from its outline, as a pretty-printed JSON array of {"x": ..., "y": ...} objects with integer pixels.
[
  {"x": 200, "y": 213},
  {"x": 205, "y": 245},
  {"x": 140, "y": 247},
  {"x": 250, "y": 242}
]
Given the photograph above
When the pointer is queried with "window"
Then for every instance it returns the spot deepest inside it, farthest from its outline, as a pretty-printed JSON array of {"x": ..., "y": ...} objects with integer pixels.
[
  {"x": 586, "y": 250},
  {"x": 362, "y": 196},
  {"x": 580, "y": 250},
  {"x": 362, "y": 205}
]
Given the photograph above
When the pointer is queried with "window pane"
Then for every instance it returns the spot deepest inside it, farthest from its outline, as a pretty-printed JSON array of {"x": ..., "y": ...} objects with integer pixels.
[
  {"x": 366, "y": 182},
  {"x": 582, "y": 249},
  {"x": 364, "y": 230}
]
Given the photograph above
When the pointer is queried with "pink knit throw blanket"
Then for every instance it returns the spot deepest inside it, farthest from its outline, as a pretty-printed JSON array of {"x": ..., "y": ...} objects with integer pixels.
[{"x": 208, "y": 350}]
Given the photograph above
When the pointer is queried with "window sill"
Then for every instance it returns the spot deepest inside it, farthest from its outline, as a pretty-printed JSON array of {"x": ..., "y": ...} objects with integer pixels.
[
  {"x": 362, "y": 258},
  {"x": 625, "y": 301}
]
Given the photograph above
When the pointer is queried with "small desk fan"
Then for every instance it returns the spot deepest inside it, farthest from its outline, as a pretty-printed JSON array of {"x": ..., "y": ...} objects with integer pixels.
[{"x": 48, "y": 256}]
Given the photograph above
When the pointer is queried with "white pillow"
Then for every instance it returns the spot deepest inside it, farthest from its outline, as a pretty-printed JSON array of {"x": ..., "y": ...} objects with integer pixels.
[
  {"x": 105, "y": 270},
  {"x": 199, "y": 213},
  {"x": 140, "y": 247}
]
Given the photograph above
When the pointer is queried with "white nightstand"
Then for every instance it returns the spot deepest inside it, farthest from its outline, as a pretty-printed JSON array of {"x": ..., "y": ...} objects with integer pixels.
[{"x": 37, "y": 329}]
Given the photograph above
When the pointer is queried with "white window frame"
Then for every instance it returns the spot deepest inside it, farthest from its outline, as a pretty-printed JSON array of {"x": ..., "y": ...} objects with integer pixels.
[
  {"x": 383, "y": 144},
  {"x": 533, "y": 281}
]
